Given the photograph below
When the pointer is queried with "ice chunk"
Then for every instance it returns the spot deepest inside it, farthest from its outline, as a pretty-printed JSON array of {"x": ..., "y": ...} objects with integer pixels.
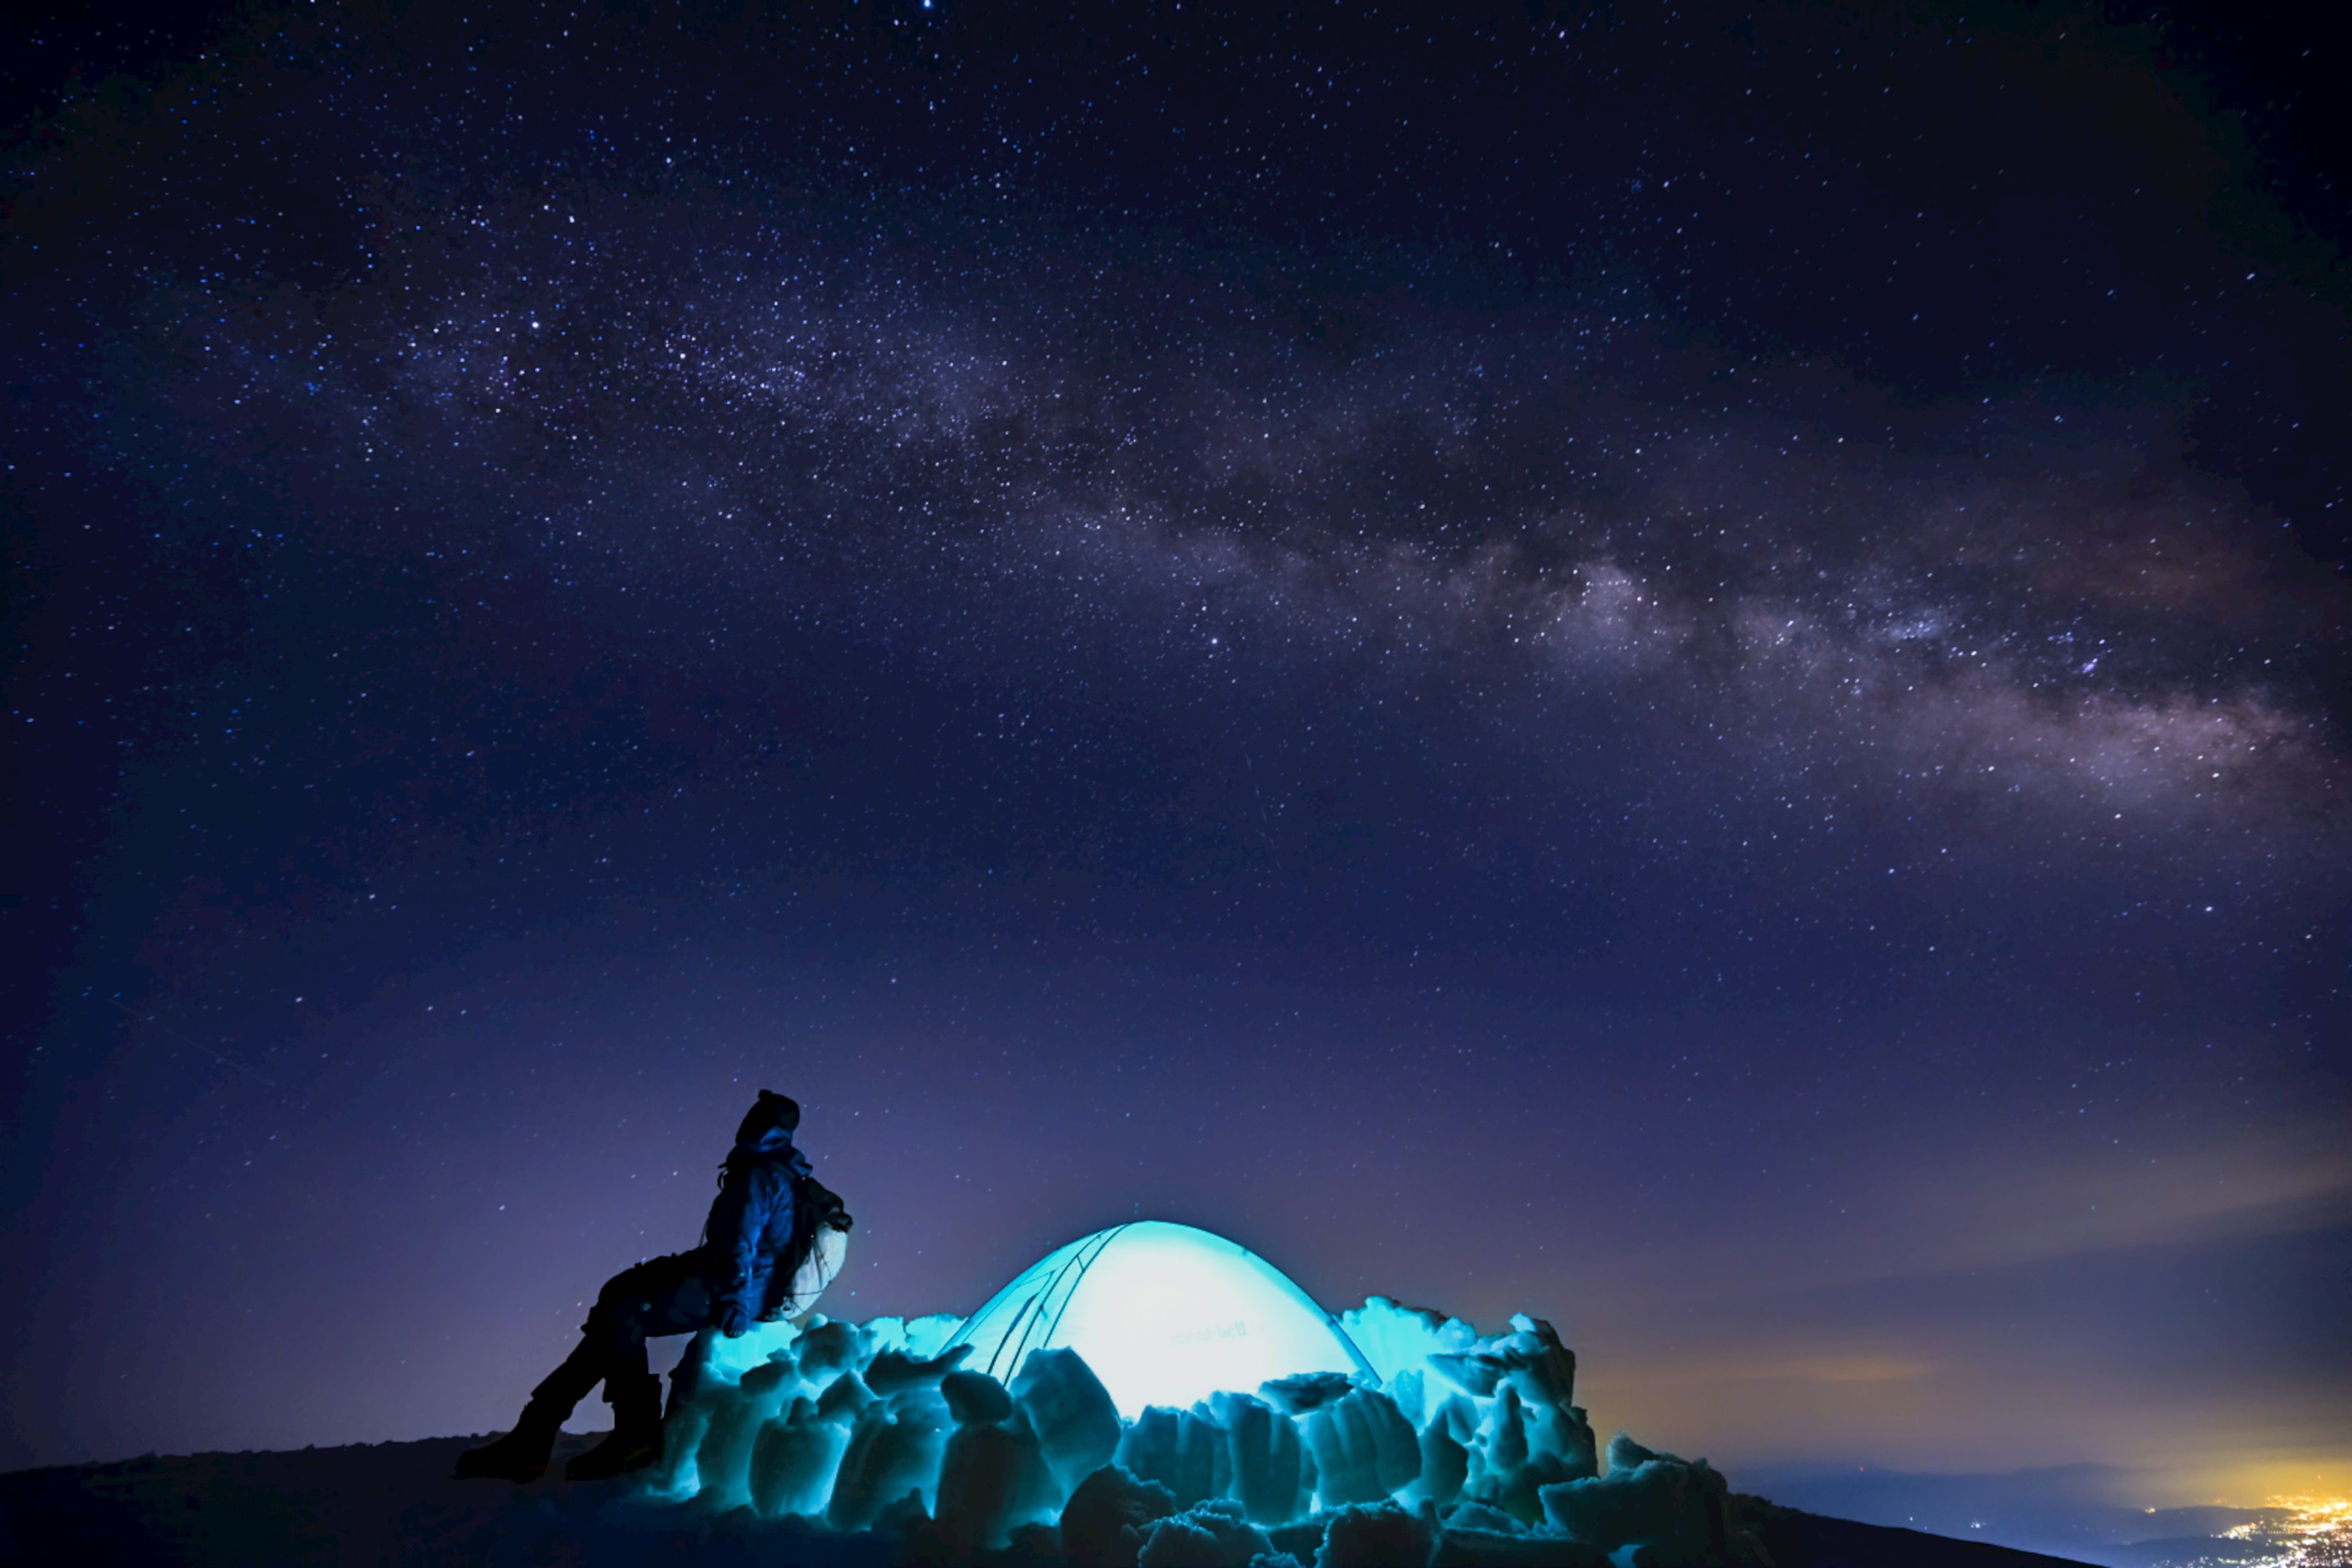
[
  {"x": 1364, "y": 1448},
  {"x": 1208, "y": 1535},
  {"x": 1107, "y": 1517},
  {"x": 1378, "y": 1536},
  {"x": 1075, "y": 1422},
  {"x": 793, "y": 1459},
  {"x": 894, "y": 1448},
  {"x": 1263, "y": 1454}
]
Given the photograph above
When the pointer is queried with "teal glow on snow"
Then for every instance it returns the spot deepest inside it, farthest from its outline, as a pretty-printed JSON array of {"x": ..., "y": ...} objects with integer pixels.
[{"x": 1163, "y": 1313}]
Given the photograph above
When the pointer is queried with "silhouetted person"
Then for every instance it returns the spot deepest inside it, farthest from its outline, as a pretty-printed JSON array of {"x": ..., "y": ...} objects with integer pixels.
[{"x": 773, "y": 1236}]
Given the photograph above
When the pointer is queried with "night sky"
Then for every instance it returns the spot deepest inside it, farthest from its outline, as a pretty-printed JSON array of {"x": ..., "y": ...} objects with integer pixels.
[{"x": 1679, "y": 669}]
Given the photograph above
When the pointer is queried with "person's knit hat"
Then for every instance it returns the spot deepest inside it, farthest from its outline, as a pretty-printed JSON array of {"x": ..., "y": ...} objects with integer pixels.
[{"x": 771, "y": 1110}]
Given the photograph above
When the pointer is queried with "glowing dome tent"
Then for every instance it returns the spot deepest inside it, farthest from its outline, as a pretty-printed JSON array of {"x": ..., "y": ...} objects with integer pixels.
[{"x": 1163, "y": 1313}]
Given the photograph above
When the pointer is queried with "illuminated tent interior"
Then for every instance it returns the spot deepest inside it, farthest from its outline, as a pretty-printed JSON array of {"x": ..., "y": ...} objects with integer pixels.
[{"x": 1164, "y": 1314}]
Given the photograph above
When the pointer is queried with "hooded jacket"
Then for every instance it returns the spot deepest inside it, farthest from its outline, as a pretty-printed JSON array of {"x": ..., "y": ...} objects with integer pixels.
[{"x": 749, "y": 1237}]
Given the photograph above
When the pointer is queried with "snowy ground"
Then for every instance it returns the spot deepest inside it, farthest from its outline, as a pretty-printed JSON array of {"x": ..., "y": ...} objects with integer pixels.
[{"x": 393, "y": 1503}]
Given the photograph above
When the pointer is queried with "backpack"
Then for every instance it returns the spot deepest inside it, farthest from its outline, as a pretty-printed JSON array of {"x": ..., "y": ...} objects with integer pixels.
[{"x": 821, "y": 1225}]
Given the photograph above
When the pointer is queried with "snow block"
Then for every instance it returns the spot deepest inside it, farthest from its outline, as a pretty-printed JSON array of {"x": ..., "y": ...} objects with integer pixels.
[
  {"x": 722, "y": 1460},
  {"x": 1444, "y": 1463},
  {"x": 1472, "y": 1548},
  {"x": 894, "y": 1449},
  {"x": 1306, "y": 1391},
  {"x": 1475, "y": 1375},
  {"x": 894, "y": 1372},
  {"x": 825, "y": 1350},
  {"x": 793, "y": 1459},
  {"x": 1672, "y": 1512},
  {"x": 1066, "y": 1406},
  {"x": 1397, "y": 1339},
  {"x": 1381, "y": 1535},
  {"x": 845, "y": 1399},
  {"x": 674, "y": 1475},
  {"x": 1183, "y": 1450},
  {"x": 1363, "y": 1447},
  {"x": 1506, "y": 1471},
  {"x": 919, "y": 1338},
  {"x": 1264, "y": 1455},
  {"x": 992, "y": 1472},
  {"x": 1543, "y": 1371},
  {"x": 1446, "y": 1448},
  {"x": 1410, "y": 1390},
  {"x": 1478, "y": 1516},
  {"x": 1211, "y": 1536},
  {"x": 1530, "y": 1357},
  {"x": 928, "y": 1335},
  {"x": 975, "y": 1397},
  {"x": 1108, "y": 1516},
  {"x": 991, "y": 1478}
]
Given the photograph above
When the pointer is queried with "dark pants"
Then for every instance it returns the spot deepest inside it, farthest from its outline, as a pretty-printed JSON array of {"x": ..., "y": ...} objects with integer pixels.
[{"x": 671, "y": 1295}]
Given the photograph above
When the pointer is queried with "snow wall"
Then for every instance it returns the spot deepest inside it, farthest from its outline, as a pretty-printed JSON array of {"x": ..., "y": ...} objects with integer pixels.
[{"x": 1085, "y": 1414}]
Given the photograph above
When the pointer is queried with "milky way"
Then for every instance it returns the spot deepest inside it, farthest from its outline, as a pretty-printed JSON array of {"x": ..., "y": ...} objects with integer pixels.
[{"x": 1745, "y": 613}]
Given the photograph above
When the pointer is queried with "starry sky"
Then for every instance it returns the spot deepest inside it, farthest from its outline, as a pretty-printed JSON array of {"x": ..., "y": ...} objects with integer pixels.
[{"x": 1681, "y": 669}]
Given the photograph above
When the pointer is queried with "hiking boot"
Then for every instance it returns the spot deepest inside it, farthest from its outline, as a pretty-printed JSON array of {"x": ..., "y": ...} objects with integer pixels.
[
  {"x": 637, "y": 1439},
  {"x": 519, "y": 1456}
]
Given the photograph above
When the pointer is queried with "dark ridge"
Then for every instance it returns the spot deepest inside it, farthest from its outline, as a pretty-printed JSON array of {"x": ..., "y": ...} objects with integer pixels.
[{"x": 1798, "y": 1539}]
